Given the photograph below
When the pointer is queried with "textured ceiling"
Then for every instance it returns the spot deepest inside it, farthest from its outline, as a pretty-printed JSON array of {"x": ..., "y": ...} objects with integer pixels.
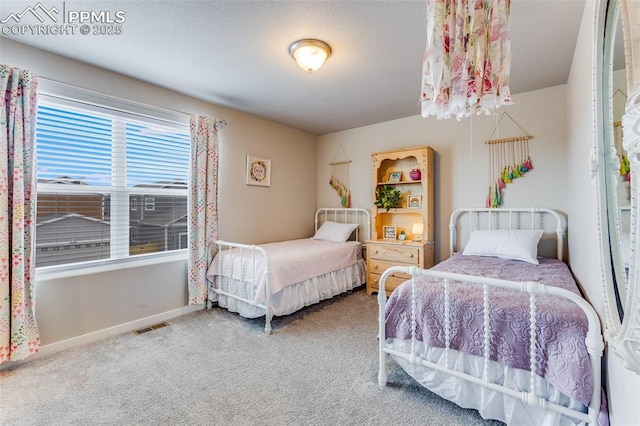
[{"x": 235, "y": 53}]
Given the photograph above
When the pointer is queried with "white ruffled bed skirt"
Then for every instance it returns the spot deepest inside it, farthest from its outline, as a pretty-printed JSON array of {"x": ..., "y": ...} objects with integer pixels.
[
  {"x": 292, "y": 298},
  {"x": 490, "y": 404}
]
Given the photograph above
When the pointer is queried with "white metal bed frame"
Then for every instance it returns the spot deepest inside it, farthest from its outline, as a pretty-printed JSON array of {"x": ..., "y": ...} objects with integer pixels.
[
  {"x": 594, "y": 341},
  {"x": 341, "y": 215}
]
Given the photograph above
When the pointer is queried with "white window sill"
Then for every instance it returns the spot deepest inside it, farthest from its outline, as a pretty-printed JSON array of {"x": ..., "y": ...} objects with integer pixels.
[{"x": 66, "y": 271}]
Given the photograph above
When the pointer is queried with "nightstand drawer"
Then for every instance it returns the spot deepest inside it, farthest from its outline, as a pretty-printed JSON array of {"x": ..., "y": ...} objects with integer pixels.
[
  {"x": 390, "y": 285},
  {"x": 377, "y": 266},
  {"x": 395, "y": 253}
]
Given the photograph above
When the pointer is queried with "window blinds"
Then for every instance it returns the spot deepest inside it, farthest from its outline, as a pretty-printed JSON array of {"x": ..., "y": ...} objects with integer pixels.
[{"x": 111, "y": 184}]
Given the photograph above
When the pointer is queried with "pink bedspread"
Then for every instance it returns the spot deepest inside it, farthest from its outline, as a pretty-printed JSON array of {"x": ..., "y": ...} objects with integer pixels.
[
  {"x": 561, "y": 325},
  {"x": 291, "y": 262}
]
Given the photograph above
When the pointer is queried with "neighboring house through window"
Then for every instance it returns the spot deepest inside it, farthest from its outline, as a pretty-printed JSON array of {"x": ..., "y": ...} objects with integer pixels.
[
  {"x": 149, "y": 203},
  {"x": 97, "y": 166},
  {"x": 184, "y": 241}
]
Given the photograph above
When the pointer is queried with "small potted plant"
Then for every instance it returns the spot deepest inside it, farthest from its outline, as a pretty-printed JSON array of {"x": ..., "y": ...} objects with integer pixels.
[{"x": 387, "y": 197}]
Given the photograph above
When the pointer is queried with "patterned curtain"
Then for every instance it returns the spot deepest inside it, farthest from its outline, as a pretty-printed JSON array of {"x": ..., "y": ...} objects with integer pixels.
[
  {"x": 19, "y": 336},
  {"x": 467, "y": 59},
  {"x": 203, "y": 207}
]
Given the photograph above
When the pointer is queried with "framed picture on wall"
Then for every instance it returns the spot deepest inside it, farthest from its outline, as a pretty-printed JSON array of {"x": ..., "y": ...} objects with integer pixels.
[
  {"x": 258, "y": 171},
  {"x": 395, "y": 177},
  {"x": 414, "y": 201},
  {"x": 389, "y": 232}
]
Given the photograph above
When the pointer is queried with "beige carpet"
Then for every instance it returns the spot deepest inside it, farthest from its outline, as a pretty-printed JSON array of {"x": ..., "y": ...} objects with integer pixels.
[{"x": 319, "y": 367}]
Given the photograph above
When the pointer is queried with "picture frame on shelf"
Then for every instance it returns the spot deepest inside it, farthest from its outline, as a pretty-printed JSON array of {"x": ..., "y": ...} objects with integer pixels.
[
  {"x": 414, "y": 201},
  {"x": 389, "y": 232},
  {"x": 395, "y": 177},
  {"x": 258, "y": 171}
]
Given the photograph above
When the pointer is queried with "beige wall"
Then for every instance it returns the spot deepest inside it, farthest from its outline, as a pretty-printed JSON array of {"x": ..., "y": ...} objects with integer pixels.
[
  {"x": 70, "y": 307},
  {"x": 462, "y": 157},
  {"x": 622, "y": 385},
  {"x": 581, "y": 195}
]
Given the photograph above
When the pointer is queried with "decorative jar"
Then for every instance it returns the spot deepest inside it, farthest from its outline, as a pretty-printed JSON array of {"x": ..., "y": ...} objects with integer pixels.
[{"x": 415, "y": 174}]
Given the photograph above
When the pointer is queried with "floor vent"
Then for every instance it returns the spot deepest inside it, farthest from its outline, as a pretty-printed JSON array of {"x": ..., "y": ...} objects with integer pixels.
[{"x": 151, "y": 327}]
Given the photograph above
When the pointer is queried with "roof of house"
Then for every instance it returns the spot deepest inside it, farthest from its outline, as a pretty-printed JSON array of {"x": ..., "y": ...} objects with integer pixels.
[{"x": 56, "y": 217}]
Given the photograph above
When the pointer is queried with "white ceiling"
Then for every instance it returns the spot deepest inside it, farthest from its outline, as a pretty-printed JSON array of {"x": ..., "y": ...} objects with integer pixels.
[{"x": 235, "y": 53}]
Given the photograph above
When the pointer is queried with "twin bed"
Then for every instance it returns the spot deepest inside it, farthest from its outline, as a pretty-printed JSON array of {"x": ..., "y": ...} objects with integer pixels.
[
  {"x": 282, "y": 277},
  {"x": 463, "y": 329}
]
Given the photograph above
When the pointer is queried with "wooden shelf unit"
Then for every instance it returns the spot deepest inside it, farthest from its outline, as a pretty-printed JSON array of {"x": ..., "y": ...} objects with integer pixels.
[{"x": 383, "y": 253}]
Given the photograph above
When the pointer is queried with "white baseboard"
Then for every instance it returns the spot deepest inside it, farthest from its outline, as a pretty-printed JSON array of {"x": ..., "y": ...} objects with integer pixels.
[{"x": 112, "y": 331}]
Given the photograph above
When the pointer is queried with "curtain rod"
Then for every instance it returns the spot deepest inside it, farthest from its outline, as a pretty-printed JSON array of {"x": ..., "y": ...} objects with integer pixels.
[{"x": 218, "y": 122}]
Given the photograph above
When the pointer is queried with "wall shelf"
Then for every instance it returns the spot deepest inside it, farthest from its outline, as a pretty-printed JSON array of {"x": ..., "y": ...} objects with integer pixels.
[
  {"x": 402, "y": 182},
  {"x": 401, "y": 210}
]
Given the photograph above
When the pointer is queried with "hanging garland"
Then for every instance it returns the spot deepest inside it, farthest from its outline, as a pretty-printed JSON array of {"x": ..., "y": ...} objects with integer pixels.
[
  {"x": 509, "y": 160},
  {"x": 343, "y": 191},
  {"x": 339, "y": 186},
  {"x": 625, "y": 166}
]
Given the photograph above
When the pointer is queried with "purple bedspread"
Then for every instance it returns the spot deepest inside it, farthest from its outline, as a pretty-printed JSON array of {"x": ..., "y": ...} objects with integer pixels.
[{"x": 561, "y": 354}]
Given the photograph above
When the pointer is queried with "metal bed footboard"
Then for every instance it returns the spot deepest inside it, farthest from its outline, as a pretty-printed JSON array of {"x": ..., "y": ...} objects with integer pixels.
[
  {"x": 593, "y": 340},
  {"x": 250, "y": 253}
]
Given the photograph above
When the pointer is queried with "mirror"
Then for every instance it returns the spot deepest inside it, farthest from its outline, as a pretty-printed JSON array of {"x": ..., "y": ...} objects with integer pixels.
[
  {"x": 618, "y": 168},
  {"x": 617, "y": 111}
]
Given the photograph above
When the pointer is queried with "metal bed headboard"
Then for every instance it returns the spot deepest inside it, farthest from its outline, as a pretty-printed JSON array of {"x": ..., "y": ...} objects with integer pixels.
[
  {"x": 347, "y": 215},
  {"x": 514, "y": 218}
]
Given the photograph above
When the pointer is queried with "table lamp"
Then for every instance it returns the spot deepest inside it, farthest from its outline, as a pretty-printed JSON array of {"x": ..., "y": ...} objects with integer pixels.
[{"x": 417, "y": 230}]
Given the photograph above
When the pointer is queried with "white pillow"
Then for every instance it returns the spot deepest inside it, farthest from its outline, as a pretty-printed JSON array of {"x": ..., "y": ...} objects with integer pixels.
[
  {"x": 520, "y": 244},
  {"x": 335, "y": 232}
]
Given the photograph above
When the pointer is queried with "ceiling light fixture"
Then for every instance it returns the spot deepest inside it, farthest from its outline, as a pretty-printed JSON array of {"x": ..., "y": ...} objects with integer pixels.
[{"x": 310, "y": 53}]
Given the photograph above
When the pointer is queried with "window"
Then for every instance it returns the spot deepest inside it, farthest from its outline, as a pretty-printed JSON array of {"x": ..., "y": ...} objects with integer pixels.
[
  {"x": 184, "y": 241},
  {"x": 149, "y": 203},
  {"x": 95, "y": 164}
]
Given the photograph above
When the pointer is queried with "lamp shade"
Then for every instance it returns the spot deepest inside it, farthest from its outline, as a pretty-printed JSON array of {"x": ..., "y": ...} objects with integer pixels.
[
  {"x": 310, "y": 54},
  {"x": 417, "y": 229}
]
